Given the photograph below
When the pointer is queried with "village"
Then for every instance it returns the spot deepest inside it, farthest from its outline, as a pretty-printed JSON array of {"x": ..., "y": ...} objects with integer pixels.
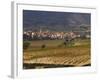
[{"x": 53, "y": 35}]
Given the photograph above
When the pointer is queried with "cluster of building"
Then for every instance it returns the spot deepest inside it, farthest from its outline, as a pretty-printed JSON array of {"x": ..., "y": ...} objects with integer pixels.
[{"x": 47, "y": 35}]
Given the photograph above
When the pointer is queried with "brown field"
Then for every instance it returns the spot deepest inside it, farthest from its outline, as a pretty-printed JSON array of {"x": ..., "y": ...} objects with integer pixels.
[{"x": 55, "y": 54}]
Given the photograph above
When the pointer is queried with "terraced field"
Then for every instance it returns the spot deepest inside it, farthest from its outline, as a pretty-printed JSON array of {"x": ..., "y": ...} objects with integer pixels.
[{"x": 56, "y": 54}]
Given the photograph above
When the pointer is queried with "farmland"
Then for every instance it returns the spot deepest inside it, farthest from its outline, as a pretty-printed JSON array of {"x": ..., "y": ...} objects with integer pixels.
[{"x": 55, "y": 53}]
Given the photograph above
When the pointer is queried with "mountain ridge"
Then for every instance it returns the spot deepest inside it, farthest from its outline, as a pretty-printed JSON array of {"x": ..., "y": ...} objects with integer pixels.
[{"x": 54, "y": 21}]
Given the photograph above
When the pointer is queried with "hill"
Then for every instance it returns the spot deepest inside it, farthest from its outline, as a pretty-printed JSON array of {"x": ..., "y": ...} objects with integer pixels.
[{"x": 55, "y": 21}]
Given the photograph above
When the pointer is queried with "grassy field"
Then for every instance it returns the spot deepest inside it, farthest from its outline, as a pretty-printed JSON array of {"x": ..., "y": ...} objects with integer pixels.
[{"x": 54, "y": 53}]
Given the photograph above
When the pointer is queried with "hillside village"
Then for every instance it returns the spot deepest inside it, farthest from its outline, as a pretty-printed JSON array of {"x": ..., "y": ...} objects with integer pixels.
[{"x": 49, "y": 35}]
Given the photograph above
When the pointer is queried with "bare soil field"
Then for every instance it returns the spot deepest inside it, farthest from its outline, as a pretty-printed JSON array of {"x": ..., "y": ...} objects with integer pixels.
[{"x": 54, "y": 55}]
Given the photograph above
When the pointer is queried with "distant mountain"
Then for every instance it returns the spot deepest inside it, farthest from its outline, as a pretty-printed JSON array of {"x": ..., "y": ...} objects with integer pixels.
[{"x": 54, "y": 21}]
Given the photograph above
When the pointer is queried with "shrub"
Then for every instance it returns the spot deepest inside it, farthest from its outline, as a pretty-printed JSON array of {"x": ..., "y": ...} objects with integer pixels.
[
  {"x": 25, "y": 45},
  {"x": 43, "y": 46},
  {"x": 64, "y": 43}
]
